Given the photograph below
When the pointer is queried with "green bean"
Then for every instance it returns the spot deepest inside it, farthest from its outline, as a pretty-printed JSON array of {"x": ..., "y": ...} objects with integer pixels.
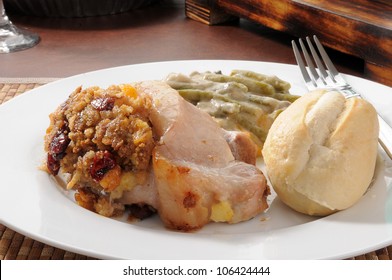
[
  {"x": 233, "y": 86},
  {"x": 243, "y": 120},
  {"x": 286, "y": 97},
  {"x": 256, "y": 87},
  {"x": 195, "y": 95},
  {"x": 251, "y": 108},
  {"x": 274, "y": 81}
]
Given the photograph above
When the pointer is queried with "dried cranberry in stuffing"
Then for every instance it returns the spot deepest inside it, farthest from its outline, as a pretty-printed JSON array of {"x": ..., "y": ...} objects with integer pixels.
[
  {"x": 57, "y": 148},
  {"x": 59, "y": 144},
  {"x": 103, "y": 162},
  {"x": 53, "y": 165},
  {"x": 103, "y": 103}
]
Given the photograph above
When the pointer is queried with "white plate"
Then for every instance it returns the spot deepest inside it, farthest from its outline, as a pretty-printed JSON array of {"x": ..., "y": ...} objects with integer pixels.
[{"x": 32, "y": 204}]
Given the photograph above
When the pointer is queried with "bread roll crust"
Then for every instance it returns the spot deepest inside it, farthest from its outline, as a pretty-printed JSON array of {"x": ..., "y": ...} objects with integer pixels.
[{"x": 320, "y": 153}]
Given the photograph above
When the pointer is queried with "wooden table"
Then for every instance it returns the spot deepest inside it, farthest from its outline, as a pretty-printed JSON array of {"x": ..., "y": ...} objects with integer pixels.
[
  {"x": 362, "y": 28},
  {"x": 73, "y": 46},
  {"x": 157, "y": 33}
]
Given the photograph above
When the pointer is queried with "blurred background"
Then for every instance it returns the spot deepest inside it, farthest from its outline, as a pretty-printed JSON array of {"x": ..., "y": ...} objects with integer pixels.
[{"x": 78, "y": 8}]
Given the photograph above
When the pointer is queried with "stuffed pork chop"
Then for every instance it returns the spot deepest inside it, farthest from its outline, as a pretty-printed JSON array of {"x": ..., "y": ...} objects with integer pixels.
[
  {"x": 197, "y": 177},
  {"x": 145, "y": 148}
]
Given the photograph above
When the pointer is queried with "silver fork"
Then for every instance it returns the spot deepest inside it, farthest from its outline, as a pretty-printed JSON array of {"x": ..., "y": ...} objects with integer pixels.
[{"x": 331, "y": 79}]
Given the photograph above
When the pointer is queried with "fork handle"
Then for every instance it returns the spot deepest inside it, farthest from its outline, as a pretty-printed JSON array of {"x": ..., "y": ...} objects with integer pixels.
[
  {"x": 385, "y": 136},
  {"x": 348, "y": 92}
]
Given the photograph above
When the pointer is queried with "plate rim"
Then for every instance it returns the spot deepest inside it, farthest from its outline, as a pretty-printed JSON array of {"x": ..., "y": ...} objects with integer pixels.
[{"x": 58, "y": 244}]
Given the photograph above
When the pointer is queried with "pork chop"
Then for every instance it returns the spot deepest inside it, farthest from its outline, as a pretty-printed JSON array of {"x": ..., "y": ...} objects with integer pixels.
[{"x": 196, "y": 175}]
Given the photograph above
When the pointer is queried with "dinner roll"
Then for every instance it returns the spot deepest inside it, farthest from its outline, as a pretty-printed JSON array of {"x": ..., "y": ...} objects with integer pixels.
[{"x": 320, "y": 153}]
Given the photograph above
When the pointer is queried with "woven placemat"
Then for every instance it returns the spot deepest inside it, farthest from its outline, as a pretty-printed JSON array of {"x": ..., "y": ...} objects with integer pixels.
[{"x": 14, "y": 245}]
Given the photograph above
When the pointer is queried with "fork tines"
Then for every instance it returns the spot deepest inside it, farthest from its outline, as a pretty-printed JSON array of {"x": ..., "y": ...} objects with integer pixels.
[{"x": 315, "y": 77}]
